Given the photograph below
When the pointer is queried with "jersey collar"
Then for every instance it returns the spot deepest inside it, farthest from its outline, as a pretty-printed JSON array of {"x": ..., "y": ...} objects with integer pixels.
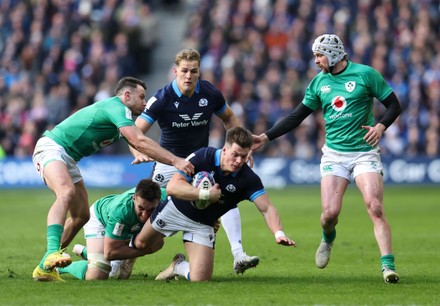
[{"x": 177, "y": 90}]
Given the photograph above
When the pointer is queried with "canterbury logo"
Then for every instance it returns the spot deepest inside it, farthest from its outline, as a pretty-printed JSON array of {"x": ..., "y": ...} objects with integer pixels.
[{"x": 187, "y": 118}]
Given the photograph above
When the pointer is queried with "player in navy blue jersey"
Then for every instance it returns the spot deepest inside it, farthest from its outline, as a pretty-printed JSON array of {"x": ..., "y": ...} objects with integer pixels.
[
  {"x": 235, "y": 182},
  {"x": 183, "y": 110}
]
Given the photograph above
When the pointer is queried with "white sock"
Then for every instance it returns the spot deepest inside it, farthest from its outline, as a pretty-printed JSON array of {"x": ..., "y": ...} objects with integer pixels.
[
  {"x": 182, "y": 269},
  {"x": 231, "y": 222}
]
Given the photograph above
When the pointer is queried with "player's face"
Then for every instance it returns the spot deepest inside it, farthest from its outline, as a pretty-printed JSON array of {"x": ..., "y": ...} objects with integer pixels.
[
  {"x": 144, "y": 208},
  {"x": 322, "y": 62},
  {"x": 233, "y": 157},
  {"x": 187, "y": 74},
  {"x": 135, "y": 100}
]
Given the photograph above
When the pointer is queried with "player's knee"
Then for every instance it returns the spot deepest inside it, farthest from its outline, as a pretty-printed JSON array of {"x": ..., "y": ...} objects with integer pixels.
[
  {"x": 97, "y": 261},
  {"x": 66, "y": 194}
]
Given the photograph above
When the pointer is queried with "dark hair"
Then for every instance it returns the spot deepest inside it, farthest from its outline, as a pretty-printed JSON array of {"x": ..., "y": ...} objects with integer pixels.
[
  {"x": 240, "y": 136},
  {"x": 129, "y": 82},
  {"x": 148, "y": 190}
]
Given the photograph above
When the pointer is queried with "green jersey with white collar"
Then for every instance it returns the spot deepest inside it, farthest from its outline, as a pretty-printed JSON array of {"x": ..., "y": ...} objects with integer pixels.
[{"x": 347, "y": 101}]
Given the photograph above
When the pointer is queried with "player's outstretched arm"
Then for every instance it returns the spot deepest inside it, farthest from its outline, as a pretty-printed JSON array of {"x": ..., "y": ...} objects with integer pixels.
[
  {"x": 272, "y": 218},
  {"x": 139, "y": 158},
  {"x": 259, "y": 141},
  {"x": 152, "y": 149}
]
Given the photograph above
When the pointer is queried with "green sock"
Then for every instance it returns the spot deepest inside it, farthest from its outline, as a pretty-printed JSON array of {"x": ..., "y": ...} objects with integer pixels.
[
  {"x": 388, "y": 261},
  {"x": 77, "y": 269},
  {"x": 84, "y": 253},
  {"x": 329, "y": 238},
  {"x": 54, "y": 232}
]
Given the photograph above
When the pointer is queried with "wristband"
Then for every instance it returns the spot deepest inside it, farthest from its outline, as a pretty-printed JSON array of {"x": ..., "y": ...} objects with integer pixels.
[
  {"x": 204, "y": 194},
  {"x": 279, "y": 234},
  {"x": 132, "y": 244}
]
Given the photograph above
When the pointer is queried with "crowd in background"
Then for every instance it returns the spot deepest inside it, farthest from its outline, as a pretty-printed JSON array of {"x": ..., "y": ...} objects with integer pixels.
[
  {"x": 258, "y": 52},
  {"x": 57, "y": 56}
]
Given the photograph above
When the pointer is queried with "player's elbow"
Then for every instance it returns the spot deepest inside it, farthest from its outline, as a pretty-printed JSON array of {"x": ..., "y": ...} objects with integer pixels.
[{"x": 109, "y": 255}]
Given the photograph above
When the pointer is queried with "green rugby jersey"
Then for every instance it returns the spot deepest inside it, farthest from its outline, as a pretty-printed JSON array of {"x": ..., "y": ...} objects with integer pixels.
[
  {"x": 116, "y": 212},
  {"x": 347, "y": 101},
  {"x": 91, "y": 128}
]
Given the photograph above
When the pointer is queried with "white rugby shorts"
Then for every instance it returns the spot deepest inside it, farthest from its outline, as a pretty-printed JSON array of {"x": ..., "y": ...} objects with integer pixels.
[
  {"x": 94, "y": 228},
  {"x": 162, "y": 174},
  {"x": 170, "y": 220},
  {"x": 350, "y": 164},
  {"x": 47, "y": 150}
]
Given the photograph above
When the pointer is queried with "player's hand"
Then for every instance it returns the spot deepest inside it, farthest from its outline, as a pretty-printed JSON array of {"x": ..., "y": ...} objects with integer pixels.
[
  {"x": 215, "y": 193},
  {"x": 259, "y": 141},
  {"x": 374, "y": 134},
  {"x": 283, "y": 240},
  {"x": 216, "y": 226},
  {"x": 184, "y": 166},
  {"x": 250, "y": 159},
  {"x": 141, "y": 158}
]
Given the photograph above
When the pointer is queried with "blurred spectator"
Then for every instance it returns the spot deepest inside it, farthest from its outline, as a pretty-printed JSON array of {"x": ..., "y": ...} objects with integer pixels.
[
  {"x": 59, "y": 56},
  {"x": 272, "y": 41}
]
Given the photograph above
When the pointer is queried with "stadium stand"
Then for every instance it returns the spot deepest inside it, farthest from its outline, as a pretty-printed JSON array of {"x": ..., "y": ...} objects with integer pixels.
[{"x": 59, "y": 56}]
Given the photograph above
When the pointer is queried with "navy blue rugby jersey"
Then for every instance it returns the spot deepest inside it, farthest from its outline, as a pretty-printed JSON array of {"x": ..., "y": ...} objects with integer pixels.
[
  {"x": 236, "y": 187},
  {"x": 184, "y": 122}
]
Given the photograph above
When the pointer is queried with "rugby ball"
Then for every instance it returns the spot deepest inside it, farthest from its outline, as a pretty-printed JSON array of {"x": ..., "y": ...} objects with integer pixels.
[{"x": 202, "y": 180}]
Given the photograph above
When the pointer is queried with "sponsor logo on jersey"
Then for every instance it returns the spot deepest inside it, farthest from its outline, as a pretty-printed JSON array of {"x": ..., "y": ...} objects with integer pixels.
[
  {"x": 135, "y": 228},
  {"x": 350, "y": 86},
  {"x": 192, "y": 121},
  {"x": 188, "y": 118},
  {"x": 203, "y": 102},
  {"x": 159, "y": 178},
  {"x": 176, "y": 104},
  {"x": 106, "y": 143},
  {"x": 117, "y": 231},
  {"x": 327, "y": 168},
  {"x": 160, "y": 223},
  {"x": 339, "y": 103},
  {"x": 231, "y": 188},
  {"x": 326, "y": 89}
]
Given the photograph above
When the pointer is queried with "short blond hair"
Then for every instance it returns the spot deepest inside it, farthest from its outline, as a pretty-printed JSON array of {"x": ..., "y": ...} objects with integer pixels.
[{"x": 188, "y": 55}]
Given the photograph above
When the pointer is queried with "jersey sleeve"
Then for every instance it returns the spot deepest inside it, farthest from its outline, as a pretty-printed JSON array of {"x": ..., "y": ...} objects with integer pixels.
[
  {"x": 311, "y": 98},
  {"x": 255, "y": 188},
  {"x": 151, "y": 113},
  {"x": 379, "y": 87},
  {"x": 119, "y": 115},
  {"x": 221, "y": 105}
]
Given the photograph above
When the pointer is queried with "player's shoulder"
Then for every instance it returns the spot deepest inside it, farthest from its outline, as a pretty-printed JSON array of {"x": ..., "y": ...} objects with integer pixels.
[
  {"x": 205, "y": 151},
  {"x": 163, "y": 93},
  {"x": 208, "y": 87},
  {"x": 160, "y": 97},
  {"x": 359, "y": 68},
  {"x": 114, "y": 101}
]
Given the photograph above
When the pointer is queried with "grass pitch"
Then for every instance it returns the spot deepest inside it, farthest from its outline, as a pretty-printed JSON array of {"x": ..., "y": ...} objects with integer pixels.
[{"x": 285, "y": 276}]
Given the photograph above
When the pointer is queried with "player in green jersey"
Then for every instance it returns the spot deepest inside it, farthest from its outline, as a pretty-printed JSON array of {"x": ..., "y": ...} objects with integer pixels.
[
  {"x": 114, "y": 219},
  {"x": 345, "y": 92},
  {"x": 83, "y": 133}
]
